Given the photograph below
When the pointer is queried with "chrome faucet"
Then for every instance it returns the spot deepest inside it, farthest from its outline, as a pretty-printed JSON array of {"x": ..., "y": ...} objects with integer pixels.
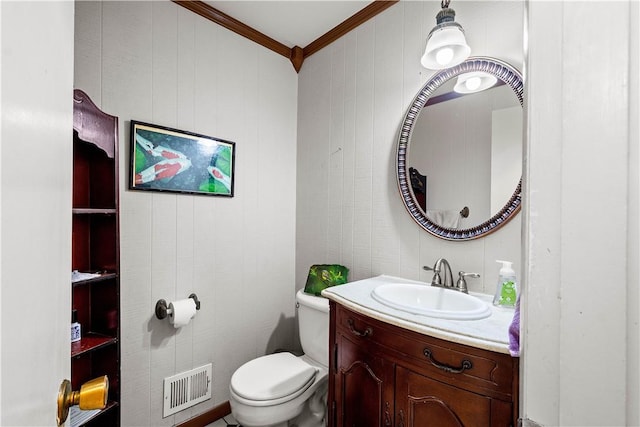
[
  {"x": 461, "y": 285},
  {"x": 437, "y": 280}
]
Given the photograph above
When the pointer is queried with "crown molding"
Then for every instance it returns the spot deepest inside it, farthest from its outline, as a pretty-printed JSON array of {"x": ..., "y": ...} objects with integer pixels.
[
  {"x": 296, "y": 54},
  {"x": 357, "y": 19}
]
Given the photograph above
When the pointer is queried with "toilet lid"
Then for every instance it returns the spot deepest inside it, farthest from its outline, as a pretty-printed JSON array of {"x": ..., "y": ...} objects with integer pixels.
[{"x": 272, "y": 377}]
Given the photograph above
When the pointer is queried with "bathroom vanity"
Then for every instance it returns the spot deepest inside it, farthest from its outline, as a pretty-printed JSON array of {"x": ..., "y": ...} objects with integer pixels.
[{"x": 391, "y": 368}]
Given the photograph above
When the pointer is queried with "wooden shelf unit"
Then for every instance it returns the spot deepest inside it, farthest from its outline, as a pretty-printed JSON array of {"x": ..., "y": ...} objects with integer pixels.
[{"x": 96, "y": 249}]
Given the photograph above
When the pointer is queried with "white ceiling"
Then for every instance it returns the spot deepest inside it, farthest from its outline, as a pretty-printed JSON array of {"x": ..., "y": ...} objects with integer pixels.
[{"x": 292, "y": 22}]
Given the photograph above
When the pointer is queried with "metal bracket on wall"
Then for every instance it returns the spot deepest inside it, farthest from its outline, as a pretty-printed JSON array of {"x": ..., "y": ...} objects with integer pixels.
[{"x": 163, "y": 310}]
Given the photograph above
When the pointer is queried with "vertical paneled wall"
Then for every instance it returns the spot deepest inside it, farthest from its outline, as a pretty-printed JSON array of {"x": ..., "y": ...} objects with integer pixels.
[
  {"x": 159, "y": 63},
  {"x": 582, "y": 209},
  {"x": 352, "y": 98},
  {"x": 633, "y": 231}
]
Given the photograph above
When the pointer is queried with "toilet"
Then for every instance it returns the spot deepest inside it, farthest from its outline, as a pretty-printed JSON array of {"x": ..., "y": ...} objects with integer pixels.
[{"x": 284, "y": 390}]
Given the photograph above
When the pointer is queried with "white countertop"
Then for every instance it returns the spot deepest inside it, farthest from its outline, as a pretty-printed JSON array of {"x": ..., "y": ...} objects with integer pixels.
[{"x": 490, "y": 333}]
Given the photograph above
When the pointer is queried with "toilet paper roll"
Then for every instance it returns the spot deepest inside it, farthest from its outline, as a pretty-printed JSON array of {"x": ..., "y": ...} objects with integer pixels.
[{"x": 182, "y": 311}]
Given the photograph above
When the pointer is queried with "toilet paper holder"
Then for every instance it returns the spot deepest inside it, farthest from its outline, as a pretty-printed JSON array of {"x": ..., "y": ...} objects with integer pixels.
[{"x": 162, "y": 308}]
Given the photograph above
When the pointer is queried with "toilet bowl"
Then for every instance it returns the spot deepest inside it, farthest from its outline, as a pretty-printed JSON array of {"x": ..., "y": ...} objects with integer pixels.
[{"x": 281, "y": 389}]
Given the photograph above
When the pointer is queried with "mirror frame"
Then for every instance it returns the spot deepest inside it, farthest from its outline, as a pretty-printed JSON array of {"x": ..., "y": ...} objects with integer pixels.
[{"x": 510, "y": 76}]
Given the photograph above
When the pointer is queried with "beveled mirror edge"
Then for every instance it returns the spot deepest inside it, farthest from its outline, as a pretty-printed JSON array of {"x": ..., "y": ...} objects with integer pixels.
[{"x": 503, "y": 71}]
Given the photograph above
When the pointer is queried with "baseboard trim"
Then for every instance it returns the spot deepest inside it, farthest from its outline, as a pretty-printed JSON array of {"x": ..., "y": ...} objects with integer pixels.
[{"x": 208, "y": 417}]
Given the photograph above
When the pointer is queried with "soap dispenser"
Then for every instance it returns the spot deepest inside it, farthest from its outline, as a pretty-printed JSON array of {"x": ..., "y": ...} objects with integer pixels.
[{"x": 506, "y": 291}]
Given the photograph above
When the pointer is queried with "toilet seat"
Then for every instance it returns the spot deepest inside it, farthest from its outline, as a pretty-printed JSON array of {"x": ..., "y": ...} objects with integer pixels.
[{"x": 272, "y": 379}]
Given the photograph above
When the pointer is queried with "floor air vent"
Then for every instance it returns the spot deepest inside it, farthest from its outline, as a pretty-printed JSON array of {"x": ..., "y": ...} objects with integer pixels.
[{"x": 187, "y": 389}]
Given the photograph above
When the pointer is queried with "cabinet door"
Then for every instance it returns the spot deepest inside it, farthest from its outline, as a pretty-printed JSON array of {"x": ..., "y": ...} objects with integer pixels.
[
  {"x": 424, "y": 402},
  {"x": 364, "y": 386}
]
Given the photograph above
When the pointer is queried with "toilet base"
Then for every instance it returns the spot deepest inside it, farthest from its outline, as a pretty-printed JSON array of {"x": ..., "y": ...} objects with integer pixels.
[{"x": 314, "y": 412}]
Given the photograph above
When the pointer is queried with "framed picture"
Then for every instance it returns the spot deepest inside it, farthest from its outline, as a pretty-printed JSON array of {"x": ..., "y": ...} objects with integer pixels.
[{"x": 166, "y": 159}]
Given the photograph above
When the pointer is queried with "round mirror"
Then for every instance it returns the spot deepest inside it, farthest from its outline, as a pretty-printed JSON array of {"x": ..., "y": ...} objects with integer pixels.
[{"x": 459, "y": 158}]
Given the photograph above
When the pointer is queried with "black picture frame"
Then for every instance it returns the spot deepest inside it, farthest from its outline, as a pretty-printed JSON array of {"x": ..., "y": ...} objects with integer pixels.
[{"x": 172, "y": 160}]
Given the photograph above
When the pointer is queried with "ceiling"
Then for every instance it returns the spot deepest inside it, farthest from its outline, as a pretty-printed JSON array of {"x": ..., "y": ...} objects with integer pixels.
[{"x": 292, "y": 23}]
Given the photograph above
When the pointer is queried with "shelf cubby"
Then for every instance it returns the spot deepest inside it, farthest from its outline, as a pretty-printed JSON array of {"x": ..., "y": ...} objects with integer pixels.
[{"x": 96, "y": 252}]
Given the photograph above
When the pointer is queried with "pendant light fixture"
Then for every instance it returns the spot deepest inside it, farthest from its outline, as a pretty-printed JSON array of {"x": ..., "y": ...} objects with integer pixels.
[
  {"x": 446, "y": 44},
  {"x": 476, "y": 81}
]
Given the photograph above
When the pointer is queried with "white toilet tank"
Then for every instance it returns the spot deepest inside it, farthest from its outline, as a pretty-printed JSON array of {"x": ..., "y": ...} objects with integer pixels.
[{"x": 313, "y": 322}]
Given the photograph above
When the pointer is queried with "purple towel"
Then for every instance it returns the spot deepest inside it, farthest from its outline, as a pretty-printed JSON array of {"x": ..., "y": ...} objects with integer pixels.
[{"x": 514, "y": 331}]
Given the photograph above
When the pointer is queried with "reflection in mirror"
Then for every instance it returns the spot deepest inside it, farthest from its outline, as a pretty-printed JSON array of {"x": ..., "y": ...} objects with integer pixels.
[
  {"x": 470, "y": 148},
  {"x": 460, "y": 155}
]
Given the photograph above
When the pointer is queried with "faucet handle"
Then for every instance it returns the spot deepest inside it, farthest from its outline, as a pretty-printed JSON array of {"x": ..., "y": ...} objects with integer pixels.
[
  {"x": 436, "y": 280},
  {"x": 462, "y": 284}
]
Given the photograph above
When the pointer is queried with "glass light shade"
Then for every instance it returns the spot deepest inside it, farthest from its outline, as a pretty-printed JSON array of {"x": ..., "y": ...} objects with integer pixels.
[
  {"x": 446, "y": 47},
  {"x": 474, "y": 82}
]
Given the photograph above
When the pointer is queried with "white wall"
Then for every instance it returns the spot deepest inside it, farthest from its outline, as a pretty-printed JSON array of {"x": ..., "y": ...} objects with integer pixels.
[
  {"x": 580, "y": 312},
  {"x": 633, "y": 242},
  {"x": 352, "y": 97},
  {"x": 581, "y": 207},
  {"x": 36, "y": 147},
  {"x": 160, "y": 63},
  {"x": 578, "y": 361}
]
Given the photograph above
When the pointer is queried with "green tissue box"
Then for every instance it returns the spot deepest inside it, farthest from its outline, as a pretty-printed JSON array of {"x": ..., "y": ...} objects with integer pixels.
[{"x": 323, "y": 276}]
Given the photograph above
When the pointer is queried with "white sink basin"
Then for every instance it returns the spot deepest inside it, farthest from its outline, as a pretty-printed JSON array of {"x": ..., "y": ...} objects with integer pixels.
[{"x": 431, "y": 301}]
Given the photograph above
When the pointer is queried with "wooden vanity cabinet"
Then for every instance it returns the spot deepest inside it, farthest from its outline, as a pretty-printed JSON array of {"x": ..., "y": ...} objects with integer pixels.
[
  {"x": 384, "y": 375},
  {"x": 364, "y": 388}
]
